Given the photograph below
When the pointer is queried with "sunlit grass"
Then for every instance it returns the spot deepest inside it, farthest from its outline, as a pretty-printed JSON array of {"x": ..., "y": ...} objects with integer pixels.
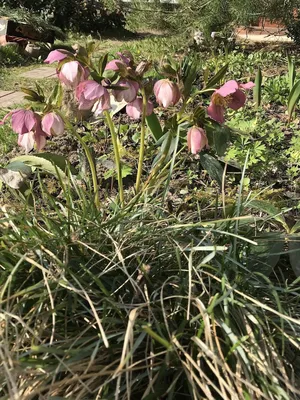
[{"x": 138, "y": 304}]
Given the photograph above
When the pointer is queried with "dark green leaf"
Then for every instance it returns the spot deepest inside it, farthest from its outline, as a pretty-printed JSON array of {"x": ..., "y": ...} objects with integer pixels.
[
  {"x": 48, "y": 162},
  {"x": 154, "y": 126},
  {"x": 212, "y": 166},
  {"x": 32, "y": 94},
  {"x": 218, "y": 136},
  {"x": 265, "y": 256}
]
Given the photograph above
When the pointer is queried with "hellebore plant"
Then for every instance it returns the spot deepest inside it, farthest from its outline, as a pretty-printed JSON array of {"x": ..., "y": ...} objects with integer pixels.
[{"x": 95, "y": 85}]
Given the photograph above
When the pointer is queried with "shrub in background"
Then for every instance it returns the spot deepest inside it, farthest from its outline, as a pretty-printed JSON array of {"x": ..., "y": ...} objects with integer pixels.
[{"x": 81, "y": 16}]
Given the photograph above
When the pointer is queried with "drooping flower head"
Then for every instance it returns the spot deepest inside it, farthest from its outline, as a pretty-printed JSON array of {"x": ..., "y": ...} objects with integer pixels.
[
  {"x": 229, "y": 95},
  {"x": 87, "y": 93},
  {"x": 196, "y": 139},
  {"x": 53, "y": 124},
  {"x": 135, "y": 108},
  {"x": 28, "y": 126},
  {"x": 166, "y": 92},
  {"x": 22, "y": 121},
  {"x": 129, "y": 92},
  {"x": 72, "y": 73}
]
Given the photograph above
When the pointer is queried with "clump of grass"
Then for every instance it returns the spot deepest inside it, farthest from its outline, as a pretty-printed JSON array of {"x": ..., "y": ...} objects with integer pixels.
[
  {"x": 137, "y": 304},
  {"x": 8, "y": 137},
  {"x": 9, "y": 55}
]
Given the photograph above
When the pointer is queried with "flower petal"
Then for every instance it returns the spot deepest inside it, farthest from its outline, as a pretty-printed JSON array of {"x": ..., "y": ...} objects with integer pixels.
[
  {"x": 53, "y": 124},
  {"x": 228, "y": 88},
  {"x": 216, "y": 112},
  {"x": 247, "y": 86},
  {"x": 134, "y": 109},
  {"x": 26, "y": 140},
  {"x": 114, "y": 65},
  {"x": 129, "y": 93},
  {"x": 23, "y": 121},
  {"x": 93, "y": 90},
  {"x": 238, "y": 100},
  {"x": 57, "y": 55}
]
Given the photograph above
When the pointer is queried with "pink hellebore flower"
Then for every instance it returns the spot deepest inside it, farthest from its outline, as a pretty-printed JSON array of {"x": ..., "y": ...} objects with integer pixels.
[
  {"x": 72, "y": 73},
  {"x": 115, "y": 65},
  {"x": 87, "y": 93},
  {"x": 28, "y": 125},
  {"x": 23, "y": 121},
  {"x": 166, "y": 92},
  {"x": 229, "y": 95},
  {"x": 196, "y": 139},
  {"x": 135, "y": 108},
  {"x": 53, "y": 124},
  {"x": 128, "y": 94},
  {"x": 102, "y": 104},
  {"x": 57, "y": 55},
  {"x": 37, "y": 136}
]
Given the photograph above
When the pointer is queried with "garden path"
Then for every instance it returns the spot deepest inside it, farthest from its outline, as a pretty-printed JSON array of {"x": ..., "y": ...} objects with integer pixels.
[{"x": 10, "y": 97}]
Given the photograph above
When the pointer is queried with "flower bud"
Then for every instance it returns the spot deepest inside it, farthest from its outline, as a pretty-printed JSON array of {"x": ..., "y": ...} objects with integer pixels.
[
  {"x": 166, "y": 92},
  {"x": 196, "y": 139},
  {"x": 72, "y": 73},
  {"x": 53, "y": 124},
  {"x": 142, "y": 68}
]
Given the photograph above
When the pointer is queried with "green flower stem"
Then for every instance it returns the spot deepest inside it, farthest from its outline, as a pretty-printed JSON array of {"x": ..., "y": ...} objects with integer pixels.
[
  {"x": 117, "y": 155},
  {"x": 142, "y": 144},
  {"x": 92, "y": 166}
]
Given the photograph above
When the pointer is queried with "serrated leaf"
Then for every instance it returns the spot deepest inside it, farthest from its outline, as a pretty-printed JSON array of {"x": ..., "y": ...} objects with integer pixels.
[
  {"x": 293, "y": 99},
  {"x": 212, "y": 166},
  {"x": 218, "y": 77},
  {"x": 52, "y": 163},
  {"x": 154, "y": 126}
]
